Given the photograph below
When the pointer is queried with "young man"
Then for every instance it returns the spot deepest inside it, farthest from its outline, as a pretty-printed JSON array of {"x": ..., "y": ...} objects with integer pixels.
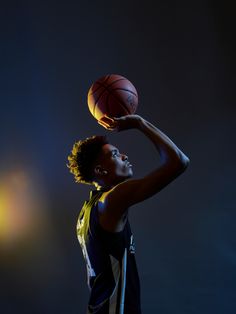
[{"x": 103, "y": 227}]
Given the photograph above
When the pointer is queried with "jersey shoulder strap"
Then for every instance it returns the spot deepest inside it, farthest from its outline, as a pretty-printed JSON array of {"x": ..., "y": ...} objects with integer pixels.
[{"x": 84, "y": 216}]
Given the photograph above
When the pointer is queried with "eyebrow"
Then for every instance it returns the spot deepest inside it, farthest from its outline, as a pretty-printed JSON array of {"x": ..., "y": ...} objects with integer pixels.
[
  {"x": 109, "y": 153},
  {"x": 115, "y": 150}
]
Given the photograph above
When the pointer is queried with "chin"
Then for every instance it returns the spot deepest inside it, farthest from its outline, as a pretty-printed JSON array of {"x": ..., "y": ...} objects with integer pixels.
[
  {"x": 126, "y": 177},
  {"x": 130, "y": 175}
]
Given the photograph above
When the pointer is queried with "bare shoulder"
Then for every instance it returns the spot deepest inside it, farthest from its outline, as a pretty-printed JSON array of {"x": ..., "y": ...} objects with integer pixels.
[{"x": 111, "y": 217}]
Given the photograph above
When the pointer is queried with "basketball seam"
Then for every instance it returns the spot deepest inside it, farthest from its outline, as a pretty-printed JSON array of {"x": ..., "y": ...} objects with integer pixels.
[
  {"x": 95, "y": 104},
  {"x": 108, "y": 86},
  {"x": 106, "y": 89},
  {"x": 126, "y": 90},
  {"x": 94, "y": 91},
  {"x": 123, "y": 89},
  {"x": 91, "y": 93},
  {"x": 109, "y": 91},
  {"x": 107, "y": 104},
  {"x": 121, "y": 79},
  {"x": 117, "y": 99}
]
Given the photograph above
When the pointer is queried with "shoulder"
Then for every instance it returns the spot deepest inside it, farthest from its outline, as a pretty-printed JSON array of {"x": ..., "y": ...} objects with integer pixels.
[{"x": 110, "y": 216}]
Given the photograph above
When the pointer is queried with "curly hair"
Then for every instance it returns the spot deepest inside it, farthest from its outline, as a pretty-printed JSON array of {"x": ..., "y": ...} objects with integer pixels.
[{"x": 84, "y": 153}]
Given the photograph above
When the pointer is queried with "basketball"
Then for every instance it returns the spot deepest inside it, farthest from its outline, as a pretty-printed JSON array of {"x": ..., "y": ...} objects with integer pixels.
[{"x": 113, "y": 95}]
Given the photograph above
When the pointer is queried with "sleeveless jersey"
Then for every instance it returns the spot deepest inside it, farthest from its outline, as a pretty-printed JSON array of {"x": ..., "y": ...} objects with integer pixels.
[{"x": 110, "y": 260}]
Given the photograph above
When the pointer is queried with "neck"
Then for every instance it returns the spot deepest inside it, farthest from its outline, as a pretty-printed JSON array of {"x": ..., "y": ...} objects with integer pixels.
[{"x": 102, "y": 187}]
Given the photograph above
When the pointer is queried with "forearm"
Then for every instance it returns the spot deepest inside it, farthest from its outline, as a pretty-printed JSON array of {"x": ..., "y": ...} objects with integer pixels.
[{"x": 168, "y": 150}]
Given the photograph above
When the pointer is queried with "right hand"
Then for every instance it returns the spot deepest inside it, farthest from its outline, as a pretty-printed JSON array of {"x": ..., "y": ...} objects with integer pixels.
[{"x": 131, "y": 121}]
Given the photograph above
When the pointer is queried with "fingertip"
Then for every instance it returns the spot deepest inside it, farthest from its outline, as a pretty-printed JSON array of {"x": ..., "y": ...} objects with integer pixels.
[{"x": 101, "y": 123}]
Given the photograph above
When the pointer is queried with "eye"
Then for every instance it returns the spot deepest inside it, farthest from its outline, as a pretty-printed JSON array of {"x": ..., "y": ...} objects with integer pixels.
[{"x": 115, "y": 153}]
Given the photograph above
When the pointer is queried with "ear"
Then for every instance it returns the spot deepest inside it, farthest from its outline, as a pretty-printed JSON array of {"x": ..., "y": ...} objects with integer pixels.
[{"x": 99, "y": 170}]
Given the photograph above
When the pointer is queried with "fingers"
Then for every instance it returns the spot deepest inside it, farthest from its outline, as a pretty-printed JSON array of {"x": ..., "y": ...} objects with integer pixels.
[
  {"x": 105, "y": 125},
  {"x": 108, "y": 123},
  {"x": 106, "y": 119}
]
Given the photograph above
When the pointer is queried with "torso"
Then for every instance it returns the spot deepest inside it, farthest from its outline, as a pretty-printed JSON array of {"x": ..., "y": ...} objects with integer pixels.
[{"x": 110, "y": 258}]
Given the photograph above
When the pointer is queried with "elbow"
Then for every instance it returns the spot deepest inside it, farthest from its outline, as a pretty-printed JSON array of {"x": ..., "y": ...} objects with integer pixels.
[
  {"x": 179, "y": 163},
  {"x": 184, "y": 162}
]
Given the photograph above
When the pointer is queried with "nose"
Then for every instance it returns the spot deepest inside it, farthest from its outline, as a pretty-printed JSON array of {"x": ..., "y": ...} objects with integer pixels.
[{"x": 124, "y": 157}]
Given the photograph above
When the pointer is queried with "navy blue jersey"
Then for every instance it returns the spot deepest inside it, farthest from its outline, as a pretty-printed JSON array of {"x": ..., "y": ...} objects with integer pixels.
[{"x": 110, "y": 260}]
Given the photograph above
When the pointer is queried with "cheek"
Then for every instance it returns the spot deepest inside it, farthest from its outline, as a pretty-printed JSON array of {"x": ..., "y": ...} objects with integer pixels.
[
  {"x": 113, "y": 167},
  {"x": 123, "y": 168},
  {"x": 117, "y": 167}
]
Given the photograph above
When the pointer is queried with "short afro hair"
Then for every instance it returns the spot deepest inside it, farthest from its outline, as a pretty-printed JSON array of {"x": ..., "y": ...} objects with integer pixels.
[{"x": 83, "y": 155}]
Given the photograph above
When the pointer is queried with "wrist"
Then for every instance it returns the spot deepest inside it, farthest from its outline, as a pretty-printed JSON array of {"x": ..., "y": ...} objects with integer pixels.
[{"x": 140, "y": 123}]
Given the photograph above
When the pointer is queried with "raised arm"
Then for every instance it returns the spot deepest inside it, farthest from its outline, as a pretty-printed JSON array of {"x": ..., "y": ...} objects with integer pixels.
[
  {"x": 173, "y": 163},
  {"x": 168, "y": 151}
]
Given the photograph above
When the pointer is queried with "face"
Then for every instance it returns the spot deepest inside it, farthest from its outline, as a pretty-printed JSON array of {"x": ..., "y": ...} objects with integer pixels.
[{"x": 115, "y": 164}]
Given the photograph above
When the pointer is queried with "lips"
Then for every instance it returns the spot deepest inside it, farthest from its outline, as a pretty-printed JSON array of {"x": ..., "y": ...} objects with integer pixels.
[{"x": 128, "y": 164}]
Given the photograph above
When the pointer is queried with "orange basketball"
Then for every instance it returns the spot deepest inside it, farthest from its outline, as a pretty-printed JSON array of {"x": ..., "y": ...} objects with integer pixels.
[{"x": 113, "y": 95}]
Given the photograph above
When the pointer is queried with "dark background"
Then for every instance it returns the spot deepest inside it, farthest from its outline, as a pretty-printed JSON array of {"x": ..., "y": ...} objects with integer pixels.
[{"x": 180, "y": 55}]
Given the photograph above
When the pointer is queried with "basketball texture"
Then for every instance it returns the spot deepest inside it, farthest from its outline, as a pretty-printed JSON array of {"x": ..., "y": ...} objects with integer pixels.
[{"x": 112, "y": 95}]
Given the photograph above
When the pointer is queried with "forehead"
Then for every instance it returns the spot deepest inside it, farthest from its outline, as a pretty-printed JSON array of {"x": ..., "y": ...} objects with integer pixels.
[{"x": 107, "y": 149}]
